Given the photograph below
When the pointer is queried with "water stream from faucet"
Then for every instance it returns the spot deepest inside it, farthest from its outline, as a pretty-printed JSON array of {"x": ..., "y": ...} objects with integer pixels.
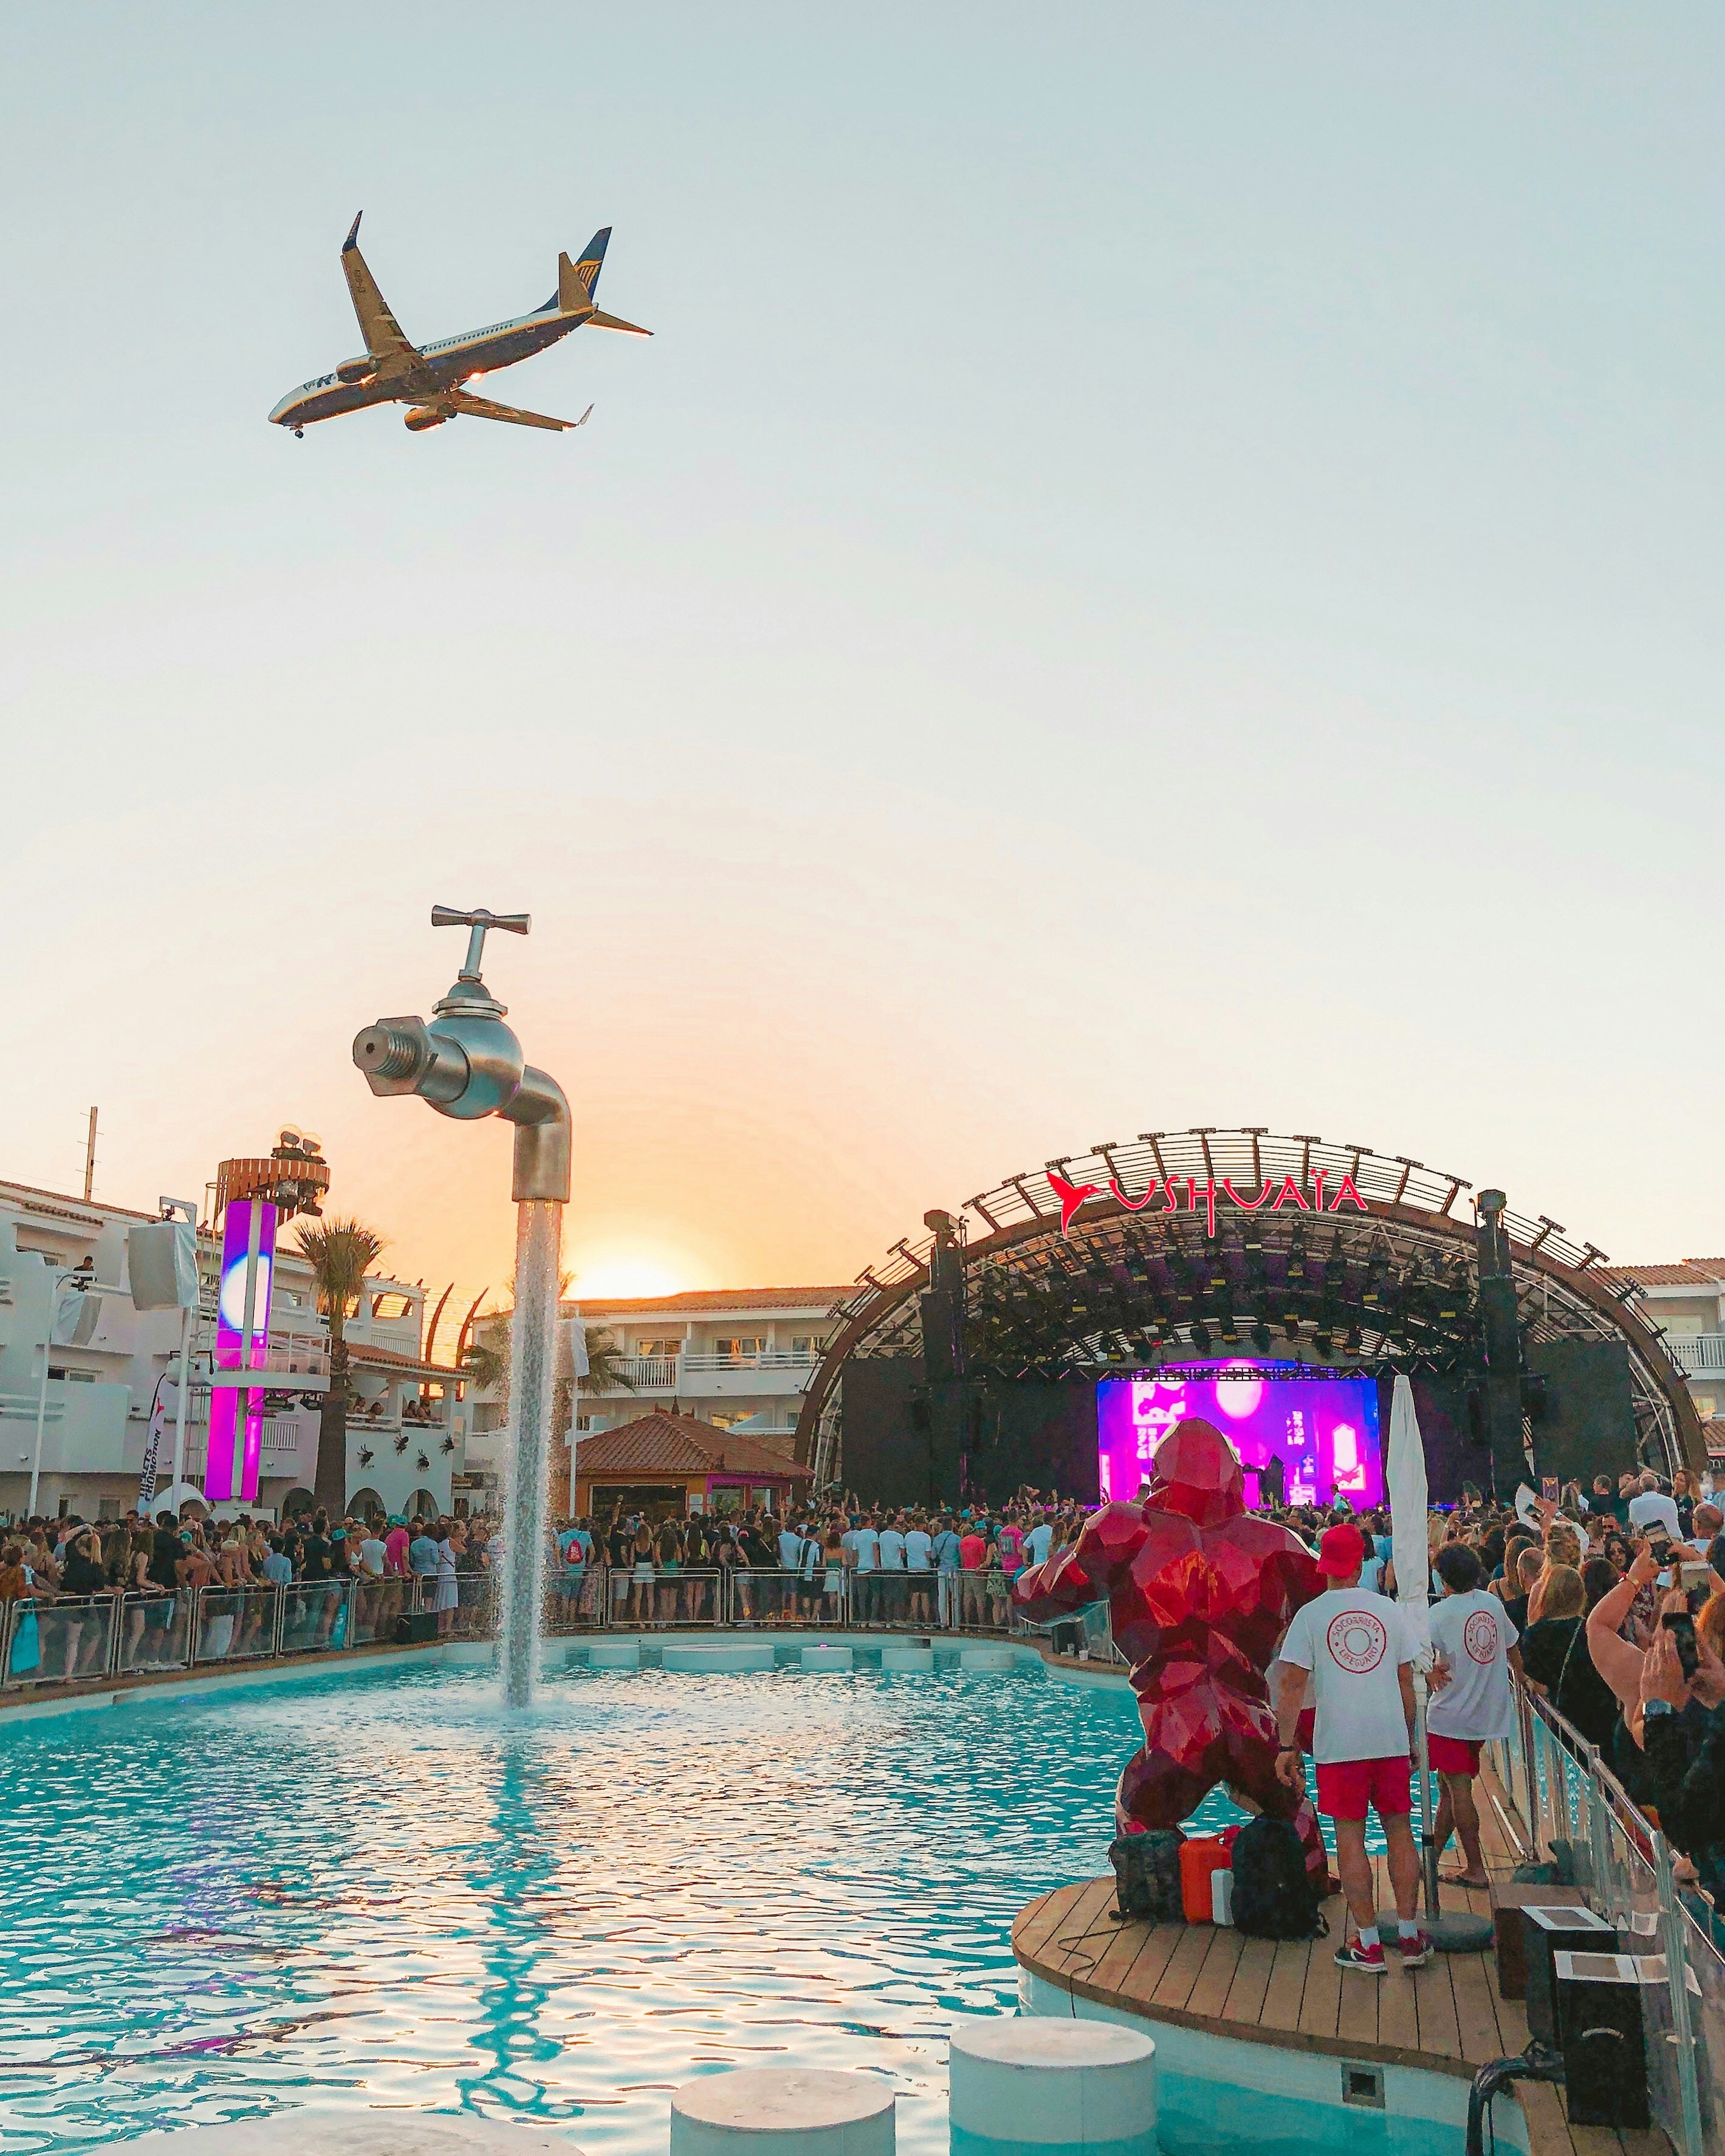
[{"x": 538, "y": 1251}]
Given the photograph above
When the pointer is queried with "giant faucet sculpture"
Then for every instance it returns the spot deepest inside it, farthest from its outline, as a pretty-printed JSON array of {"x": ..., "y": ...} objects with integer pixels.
[{"x": 468, "y": 1064}]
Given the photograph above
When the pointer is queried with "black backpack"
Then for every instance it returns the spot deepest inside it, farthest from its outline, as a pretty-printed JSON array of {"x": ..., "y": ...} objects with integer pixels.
[
  {"x": 1275, "y": 1895},
  {"x": 1147, "y": 1874}
]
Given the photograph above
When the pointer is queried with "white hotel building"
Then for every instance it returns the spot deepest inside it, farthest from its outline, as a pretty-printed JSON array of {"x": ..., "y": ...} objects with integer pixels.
[
  {"x": 738, "y": 1359},
  {"x": 83, "y": 1431}
]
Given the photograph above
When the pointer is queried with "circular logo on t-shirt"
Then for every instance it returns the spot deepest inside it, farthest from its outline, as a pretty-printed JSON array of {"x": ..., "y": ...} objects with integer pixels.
[
  {"x": 1357, "y": 1641},
  {"x": 1479, "y": 1636}
]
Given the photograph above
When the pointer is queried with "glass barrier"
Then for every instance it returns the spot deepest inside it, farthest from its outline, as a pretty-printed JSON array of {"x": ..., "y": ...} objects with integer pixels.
[
  {"x": 374, "y": 1605},
  {"x": 154, "y": 1632},
  {"x": 784, "y": 1598},
  {"x": 64, "y": 1642},
  {"x": 575, "y": 1601},
  {"x": 899, "y": 1600},
  {"x": 235, "y": 1624},
  {"x": 316, "y": 1616}
]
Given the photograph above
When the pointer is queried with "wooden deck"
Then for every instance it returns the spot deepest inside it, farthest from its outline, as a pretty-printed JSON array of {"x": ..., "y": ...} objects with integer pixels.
[{"x": 1446, "y": 2018}]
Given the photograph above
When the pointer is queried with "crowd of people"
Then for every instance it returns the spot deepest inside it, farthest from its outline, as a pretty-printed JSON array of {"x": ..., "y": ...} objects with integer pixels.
[
  {"x": 61, "y": 1571},
  {"x": 843, "y": 1562},
  {"x": 1609, "y": 1604}
]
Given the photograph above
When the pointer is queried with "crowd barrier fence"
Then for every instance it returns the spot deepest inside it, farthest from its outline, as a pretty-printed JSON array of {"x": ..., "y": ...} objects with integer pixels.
[
  {"x": 89, "y": 1639},
  {"x": 1567, "y": 1808}
]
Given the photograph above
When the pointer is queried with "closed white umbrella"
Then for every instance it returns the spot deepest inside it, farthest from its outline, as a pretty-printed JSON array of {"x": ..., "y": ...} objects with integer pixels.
[{"x": 1410, "y": 1508}]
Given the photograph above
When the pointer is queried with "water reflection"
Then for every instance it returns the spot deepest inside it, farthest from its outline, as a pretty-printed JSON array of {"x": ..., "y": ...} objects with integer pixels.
[{"x": 384, "y": 1890}]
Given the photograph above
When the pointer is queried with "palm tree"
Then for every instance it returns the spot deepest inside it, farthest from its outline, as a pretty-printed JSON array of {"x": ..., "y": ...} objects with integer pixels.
[{"x": 340, "y": 1253}]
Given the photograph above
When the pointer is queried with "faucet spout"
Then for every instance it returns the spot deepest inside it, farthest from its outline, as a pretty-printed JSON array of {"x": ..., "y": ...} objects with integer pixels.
[{"x": 541, "y": 1115}]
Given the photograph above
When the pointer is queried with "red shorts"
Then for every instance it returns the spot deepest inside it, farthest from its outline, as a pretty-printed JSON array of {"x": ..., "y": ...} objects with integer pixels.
[
  {"x": 1346, "y": 1787},
  {"x": 1455, "y": 1755}
]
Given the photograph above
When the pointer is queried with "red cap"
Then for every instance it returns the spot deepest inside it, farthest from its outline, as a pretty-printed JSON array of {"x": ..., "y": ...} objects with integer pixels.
[{"x": 1342, "y": 1551}]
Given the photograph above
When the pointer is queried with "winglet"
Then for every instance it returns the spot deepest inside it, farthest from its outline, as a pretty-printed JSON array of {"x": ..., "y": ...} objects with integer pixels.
[{"x": 352, "y": 239}]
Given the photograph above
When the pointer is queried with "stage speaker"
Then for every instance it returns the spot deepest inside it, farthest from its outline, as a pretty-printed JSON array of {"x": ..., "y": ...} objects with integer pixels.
[
  {"x": 1547, "y": 1927},
  {"x": 415, "y": 1626},
  {"x": 161, "y": 1265},
  {"x": 1602, "y": 2036},
  {"x": 1588, "y": 1423}
]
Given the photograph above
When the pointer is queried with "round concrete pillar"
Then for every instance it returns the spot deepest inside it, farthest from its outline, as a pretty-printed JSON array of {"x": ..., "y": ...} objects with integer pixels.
[
  {"x": 614, "y": 1654},
  {"x": 907, "y": 1660},
  {"x": 729, "y": 1655},
  {"x": 1056, "y": 2084},
  {"x": 824, "y": 1655},
  {"x": 986, "y": 1658},
  {"x": 782, "y": 2111}
]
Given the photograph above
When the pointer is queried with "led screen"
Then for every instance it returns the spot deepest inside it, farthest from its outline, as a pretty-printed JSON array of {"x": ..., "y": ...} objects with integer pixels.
[{"x": 1324, "y": 1429}]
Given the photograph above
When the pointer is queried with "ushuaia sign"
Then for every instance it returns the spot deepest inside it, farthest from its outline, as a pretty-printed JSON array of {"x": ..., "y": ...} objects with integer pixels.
[{"x": 1209, "y": 1194}]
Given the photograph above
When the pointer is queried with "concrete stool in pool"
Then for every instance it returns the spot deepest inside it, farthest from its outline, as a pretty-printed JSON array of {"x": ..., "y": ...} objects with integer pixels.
[
  {"x": 824, "y": 1655},
  {"x": 907, "y": 1659},
  {"x": 614, "y": 1654},
  {"x": 1052, "y": 2084},
  {"x": 324, "y": 2130},
  {"x": 782, "y": 2111},
  {"x": 986, "y": 1658},
  {"x": 732, "y": 1655}
]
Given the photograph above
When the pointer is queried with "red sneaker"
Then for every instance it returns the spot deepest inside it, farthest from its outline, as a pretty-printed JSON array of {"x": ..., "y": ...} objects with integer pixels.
[
  {"x": 1369, "y": 1960},
  {"x": 1416, "y": 1952}
]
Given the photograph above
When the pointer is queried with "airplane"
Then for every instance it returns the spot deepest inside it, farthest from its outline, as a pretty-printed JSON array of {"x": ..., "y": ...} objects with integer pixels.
[{"x": 432, "y": 380}]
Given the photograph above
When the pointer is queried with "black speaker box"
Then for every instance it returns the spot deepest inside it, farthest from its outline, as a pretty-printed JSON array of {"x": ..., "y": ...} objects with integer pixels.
[
  {"x": 1545, "y": 1928},
  {"x": 1603, "y": 2037},
  {"x": 414, "y": 1626}
]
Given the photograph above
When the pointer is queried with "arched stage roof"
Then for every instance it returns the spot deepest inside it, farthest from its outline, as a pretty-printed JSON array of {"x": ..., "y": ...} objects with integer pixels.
[{"x": 1217, "y": 1242}]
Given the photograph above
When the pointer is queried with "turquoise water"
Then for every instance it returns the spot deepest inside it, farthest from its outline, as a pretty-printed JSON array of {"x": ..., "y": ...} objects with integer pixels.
[{"x": 378, "y": 1891}]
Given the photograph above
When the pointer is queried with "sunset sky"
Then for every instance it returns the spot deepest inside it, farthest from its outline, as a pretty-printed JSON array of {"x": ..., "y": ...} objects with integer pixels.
[{"x": 1161, "y": 566}]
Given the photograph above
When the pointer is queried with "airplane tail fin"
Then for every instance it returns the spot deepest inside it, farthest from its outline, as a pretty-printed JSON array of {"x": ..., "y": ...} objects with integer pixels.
[{"x": 576, "y": 281}]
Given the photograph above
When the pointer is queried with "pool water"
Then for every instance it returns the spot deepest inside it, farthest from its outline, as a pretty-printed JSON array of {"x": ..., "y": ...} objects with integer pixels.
[{"x": 377, "y": 1890}]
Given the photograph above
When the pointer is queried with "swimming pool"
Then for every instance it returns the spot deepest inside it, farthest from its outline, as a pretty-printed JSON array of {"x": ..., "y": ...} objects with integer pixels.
[{"x": 374, "y": 1889}]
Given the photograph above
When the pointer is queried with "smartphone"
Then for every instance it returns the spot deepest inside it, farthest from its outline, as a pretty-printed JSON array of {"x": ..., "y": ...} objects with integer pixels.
[
  {"x": 1660, "y": 1545},
  {"x": 1549, "y": 1488},
  {"x": 1681, "y": 1627}
]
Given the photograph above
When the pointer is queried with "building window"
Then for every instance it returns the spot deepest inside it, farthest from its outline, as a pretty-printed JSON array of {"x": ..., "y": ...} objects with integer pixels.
[
  {"x": 660, "y": 1351},
  {"x": 741, "y": 1347},
  {"x": 807, "y": 1344}
]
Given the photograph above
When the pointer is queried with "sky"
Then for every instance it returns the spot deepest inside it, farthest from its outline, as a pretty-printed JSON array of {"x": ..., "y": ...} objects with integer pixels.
[{"x": 1161, "y": 566}]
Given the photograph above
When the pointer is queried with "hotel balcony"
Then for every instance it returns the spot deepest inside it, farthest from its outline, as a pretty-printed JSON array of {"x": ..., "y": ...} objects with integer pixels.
[
  {"x": 706, "y": 1377},
  {"x": 1698, "y": 1355}
]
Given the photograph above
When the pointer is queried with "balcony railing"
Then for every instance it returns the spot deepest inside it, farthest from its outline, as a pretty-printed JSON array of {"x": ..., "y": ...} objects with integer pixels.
[
  {"x": 675, "y": 1374},
  {"x": 1700, "y": 1355}
]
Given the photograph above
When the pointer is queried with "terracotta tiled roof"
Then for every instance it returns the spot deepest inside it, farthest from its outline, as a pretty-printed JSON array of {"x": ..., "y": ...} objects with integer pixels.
[
  {"x": 680, "y": 1445},
  {"x": 390, "y": 1358},
  {"x": 694, "y": 1300},
  {"x": 1691, "y": 1272},
  {"x": 1714, "y": 1430}
]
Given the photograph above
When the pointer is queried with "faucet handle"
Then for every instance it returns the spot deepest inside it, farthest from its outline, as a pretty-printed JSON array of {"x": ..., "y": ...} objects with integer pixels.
[{"x": 479, "y": 920}]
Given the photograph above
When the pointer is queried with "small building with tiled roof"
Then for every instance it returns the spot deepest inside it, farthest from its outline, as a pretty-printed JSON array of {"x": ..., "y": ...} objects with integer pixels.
[{"x": 661, "y": 1464}]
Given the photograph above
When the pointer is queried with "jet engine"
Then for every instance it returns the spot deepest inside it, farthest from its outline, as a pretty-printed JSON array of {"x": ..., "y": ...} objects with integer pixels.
[
  {"x": 423, "y": 416},
  {"x": 356, "y": 370}
]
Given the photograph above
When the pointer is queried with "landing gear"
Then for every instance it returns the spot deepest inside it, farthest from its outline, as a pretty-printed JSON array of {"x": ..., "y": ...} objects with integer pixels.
[{"x": 299, "y": 434}]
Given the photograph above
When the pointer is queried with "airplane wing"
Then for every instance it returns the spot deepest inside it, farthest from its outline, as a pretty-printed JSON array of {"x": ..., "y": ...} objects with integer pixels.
[
  {"x": 379, "y": 326},
  {"x": 486, "y": 408}
]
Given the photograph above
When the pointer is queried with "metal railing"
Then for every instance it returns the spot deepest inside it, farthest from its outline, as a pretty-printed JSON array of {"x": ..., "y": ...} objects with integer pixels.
[
  {"x": 667, "y": 1599},
  {"x": 97, "y": 1638},
  {"x": 1567, "y": 1808},
  {"x": 1696, "y": 1353}
]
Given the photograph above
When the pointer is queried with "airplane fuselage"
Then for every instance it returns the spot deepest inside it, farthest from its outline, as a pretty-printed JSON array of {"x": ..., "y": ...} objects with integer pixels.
[{"x": 446, "y": 364}]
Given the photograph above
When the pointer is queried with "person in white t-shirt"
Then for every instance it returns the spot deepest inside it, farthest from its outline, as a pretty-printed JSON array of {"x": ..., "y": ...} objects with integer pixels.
[
  {"x": 1476, "y": 1637},
  {"x": 919, "y": 1562},
  {"x": 1037, "y": 1542},
  {"x": 1650, "y": 1507},
  {"x": 866, "y": 1542},
  {"x": 1353, "y": 1647},
  {"x": 893, "y": 1586}
]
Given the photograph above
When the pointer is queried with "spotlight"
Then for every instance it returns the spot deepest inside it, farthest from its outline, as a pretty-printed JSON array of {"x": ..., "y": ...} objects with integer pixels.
[
  {"x": 1201, "y": 1338},
  {"x": 1324, "y": 1341},
  {"x": 1351, "y": 1345},
  {"x": 1261, "y": 1336},
  {"x": 1291, "y": 1326}
]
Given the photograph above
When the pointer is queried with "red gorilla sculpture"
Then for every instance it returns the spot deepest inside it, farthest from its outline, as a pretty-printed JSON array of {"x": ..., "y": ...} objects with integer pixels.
[{"x": 1199, "y": 1594}]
